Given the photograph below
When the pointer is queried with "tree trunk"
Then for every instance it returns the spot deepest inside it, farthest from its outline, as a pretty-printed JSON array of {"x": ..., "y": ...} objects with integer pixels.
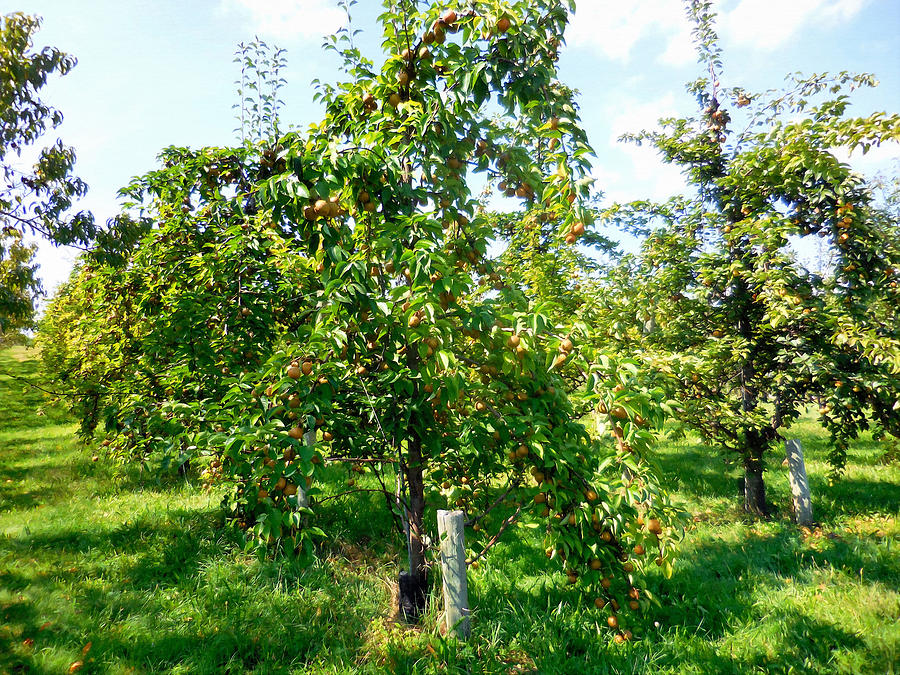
[
  {"x": 754, "y": 486},
  {"x": 414, "y": 583}
]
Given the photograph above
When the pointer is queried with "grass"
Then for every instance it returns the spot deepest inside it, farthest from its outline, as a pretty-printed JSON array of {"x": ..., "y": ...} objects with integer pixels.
[{"x": 124, "y": 573}]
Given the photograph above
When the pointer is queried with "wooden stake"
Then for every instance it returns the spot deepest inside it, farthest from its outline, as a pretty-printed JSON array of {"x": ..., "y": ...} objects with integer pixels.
[
  {"x": 453, "y": 572},
  {"x": 799, "y": 482}
]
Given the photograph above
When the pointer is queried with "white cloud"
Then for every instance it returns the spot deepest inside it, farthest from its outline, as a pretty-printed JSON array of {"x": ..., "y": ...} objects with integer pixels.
[
  {"x": 880, "y": 159},
  {"x": 614, "y": 27},
  {"x": 639, "y": 171},
  {"x": 680, "y": 49},
  {"x": 287, "y": 19},
  {"x": 767, "y": 24},
  {"x": 642, "y": 175}
]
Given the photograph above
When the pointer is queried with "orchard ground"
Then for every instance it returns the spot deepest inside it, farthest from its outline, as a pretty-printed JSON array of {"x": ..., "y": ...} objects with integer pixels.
[{"x": 123, "y": 573}]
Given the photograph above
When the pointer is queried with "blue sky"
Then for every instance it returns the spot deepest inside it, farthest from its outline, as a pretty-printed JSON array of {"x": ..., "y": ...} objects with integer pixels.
[{"x": 153, "y": 74}]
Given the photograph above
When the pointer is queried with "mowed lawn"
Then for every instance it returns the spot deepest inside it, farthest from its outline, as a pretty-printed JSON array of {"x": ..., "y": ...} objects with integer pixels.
[{"x": 113, "y": 570}]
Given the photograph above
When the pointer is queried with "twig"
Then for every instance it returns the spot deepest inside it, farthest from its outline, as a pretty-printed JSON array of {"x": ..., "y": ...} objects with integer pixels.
[
  {"x": 506, "y": 523},
  {"x": 361, "y": 460},
  {"x": 496, "y": 503},
  {"x": 47, "y": 391},
  {"x": 350, "y": 492}
]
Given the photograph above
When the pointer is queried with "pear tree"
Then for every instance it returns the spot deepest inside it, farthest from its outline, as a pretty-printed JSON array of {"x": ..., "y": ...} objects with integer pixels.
[
  {"x": 417, "y": 360},
  {"x": 325, "y": 298}
]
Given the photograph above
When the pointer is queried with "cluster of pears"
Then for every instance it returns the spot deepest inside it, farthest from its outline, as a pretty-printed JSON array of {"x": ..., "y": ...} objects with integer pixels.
[
  {"x": 436, "y": 34},
  {"x": 575, "y": 231},
  {"x": 324, "y": 208}
]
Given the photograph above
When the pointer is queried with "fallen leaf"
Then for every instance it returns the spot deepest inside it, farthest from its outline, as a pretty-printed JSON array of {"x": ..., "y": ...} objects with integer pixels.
[
  {"x": 76, "y": 666},
  {"x": 46, "y": 625},
  {"x": 28, "y": 642},
  {"x": 86, "y": 648}
]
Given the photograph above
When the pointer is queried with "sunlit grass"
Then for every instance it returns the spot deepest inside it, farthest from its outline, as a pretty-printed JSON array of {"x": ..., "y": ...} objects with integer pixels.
[{"x": 128, "y": 574}]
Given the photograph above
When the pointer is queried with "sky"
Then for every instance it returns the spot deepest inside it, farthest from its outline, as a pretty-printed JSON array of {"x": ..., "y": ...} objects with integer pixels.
[{"x": 154, "y": 74}]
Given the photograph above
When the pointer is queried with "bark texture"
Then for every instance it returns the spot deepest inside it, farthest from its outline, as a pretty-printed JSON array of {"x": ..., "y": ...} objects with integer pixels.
[
  {"x": 414, "y": 583},
  {"x": 754, "y": 486}
]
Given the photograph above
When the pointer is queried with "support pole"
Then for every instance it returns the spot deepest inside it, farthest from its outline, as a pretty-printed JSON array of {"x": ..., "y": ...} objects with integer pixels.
[
  {"x": 799, "y": 482},
  {"x": 453, "y": 572}
]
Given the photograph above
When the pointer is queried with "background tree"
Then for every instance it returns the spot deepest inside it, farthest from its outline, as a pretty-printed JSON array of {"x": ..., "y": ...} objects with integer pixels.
[
  {"x": 744, "y": 332},
  {"x": 201, "y": 295},
  {"x": 19, "y": 285}
]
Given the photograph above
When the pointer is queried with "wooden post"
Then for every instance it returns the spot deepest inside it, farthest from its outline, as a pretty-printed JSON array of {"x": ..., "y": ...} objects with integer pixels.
[
  {"x": 453, "y": 572},
  {"x": 799, "y": 482}
]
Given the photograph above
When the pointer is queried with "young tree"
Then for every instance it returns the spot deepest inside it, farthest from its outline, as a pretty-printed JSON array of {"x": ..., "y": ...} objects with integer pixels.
[
  {"x": 746, "y": 334},
  {"x": 403, "y": 361}
]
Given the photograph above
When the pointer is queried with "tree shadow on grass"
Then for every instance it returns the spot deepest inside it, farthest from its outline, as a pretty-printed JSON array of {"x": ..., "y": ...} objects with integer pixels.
[
  {"x": 165, "y": 645},
  {"x": 712, "y": 601},
  {"x": 361, "y": 518},
  {"x": 157, "y": 594},
  {"x": 20, "y": 489},
  {"x": 177, "y": 591},
  {"x": 699, "y": 472},
  {"x": 25, "y": 484},
  {"x": 853, "y": 496},
  {"x": 20, "y": 397}
]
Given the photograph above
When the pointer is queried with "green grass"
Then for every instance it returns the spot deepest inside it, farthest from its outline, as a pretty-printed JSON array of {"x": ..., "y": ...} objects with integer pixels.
[{"x": 144, "y": 572}]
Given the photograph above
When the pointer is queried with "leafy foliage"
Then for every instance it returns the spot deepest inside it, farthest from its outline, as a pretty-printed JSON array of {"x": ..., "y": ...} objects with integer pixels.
[
  {"x": 257, "y": 88},
  {"x": 36, "y": 201}
]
